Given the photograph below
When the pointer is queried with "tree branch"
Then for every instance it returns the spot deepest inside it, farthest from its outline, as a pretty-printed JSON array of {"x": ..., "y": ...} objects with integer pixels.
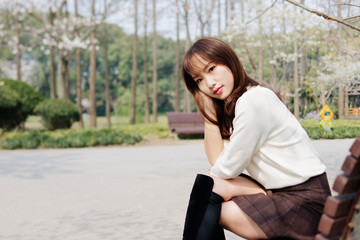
[
  {"x": 349, "y": 18},
  {"x": 198, "y": 13},
  {"x": 262, "y": 13},
  {"x": 348, "y": 4},
  {"x": 210, "y": 11},
  {"x": 327, "y": 17}
]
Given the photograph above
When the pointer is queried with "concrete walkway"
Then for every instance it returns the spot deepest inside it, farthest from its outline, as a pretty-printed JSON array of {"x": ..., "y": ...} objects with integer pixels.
[{"x": 121, "y": 193}]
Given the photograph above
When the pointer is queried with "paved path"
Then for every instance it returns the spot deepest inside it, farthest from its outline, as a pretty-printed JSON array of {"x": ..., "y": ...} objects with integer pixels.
[{"x": 116, "y": 193}]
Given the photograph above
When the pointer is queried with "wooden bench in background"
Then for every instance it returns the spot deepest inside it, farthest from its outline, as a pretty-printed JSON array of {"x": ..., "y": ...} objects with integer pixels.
[
  {"x": 354, "y": 111},
  {"x": 185, "y": 123},
  {"x": 341, "y": 218}
]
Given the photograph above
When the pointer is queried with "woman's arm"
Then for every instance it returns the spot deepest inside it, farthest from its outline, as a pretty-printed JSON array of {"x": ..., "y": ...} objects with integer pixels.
[
  {"x": 252, "y": 125},
  {"x": 213, "y": 142},
  {"x": 212, "y": 137}
]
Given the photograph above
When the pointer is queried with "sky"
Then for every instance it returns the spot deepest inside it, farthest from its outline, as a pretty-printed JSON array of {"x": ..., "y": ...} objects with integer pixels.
[{"x": 122, "y": 15}]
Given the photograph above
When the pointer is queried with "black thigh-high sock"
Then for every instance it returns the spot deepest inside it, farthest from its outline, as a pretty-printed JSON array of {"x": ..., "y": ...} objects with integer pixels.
[
  {"x": 203, "y": 213},
  {"x": 210, "y": 228}
]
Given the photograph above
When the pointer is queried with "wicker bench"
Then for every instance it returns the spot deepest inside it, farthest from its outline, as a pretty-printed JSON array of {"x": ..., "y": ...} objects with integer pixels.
[
  {"x": 341, "y": 218},
  {"x": 185, "y": 123}
]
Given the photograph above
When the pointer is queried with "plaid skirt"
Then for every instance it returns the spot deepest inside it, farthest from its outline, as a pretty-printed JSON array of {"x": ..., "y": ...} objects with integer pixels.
[{"x": 288, "y": 213}]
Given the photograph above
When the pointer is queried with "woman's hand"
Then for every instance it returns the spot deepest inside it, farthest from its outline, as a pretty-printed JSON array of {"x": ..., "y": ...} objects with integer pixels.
[{"x": 208, "y": 105}]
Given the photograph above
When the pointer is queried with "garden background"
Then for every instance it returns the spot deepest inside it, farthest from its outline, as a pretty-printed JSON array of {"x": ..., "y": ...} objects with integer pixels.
[{"x": 115, "y": 64}]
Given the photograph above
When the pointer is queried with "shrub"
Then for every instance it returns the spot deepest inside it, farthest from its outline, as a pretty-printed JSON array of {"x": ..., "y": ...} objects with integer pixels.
[
  {"x": 29, "y": 140},
  {"x": 9, "y": 108},
  {"x": 17, "y": 102},
  {"x": 57, "y": 113},
  {"x": 339, "y": 130},
  {"x": 8, "y": 97},
  {"x": 68, "y": 138}
]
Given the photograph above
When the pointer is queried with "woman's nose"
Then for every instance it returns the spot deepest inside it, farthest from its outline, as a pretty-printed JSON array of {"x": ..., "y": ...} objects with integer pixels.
[{"x": 210, "y": 82}]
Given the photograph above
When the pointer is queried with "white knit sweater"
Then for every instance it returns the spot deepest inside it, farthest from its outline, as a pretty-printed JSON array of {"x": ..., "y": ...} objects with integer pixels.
[{"x": 268, "y": 142}]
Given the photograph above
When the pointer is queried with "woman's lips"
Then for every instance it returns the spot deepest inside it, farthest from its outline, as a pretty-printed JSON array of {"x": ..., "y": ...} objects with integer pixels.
[{"x": 218, "y": 90}]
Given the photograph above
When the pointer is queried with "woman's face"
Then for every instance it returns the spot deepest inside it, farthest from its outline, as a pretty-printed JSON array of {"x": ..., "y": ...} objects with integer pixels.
[{"x": 214, "y": 80}]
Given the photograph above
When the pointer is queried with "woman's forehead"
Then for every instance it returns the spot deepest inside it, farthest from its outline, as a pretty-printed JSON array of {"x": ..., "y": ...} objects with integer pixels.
[{"x": 197, "y": 64}]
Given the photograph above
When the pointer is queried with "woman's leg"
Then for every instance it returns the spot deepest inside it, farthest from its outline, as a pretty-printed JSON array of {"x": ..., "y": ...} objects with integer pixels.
[
  {"x": 232, "y": 217},
  {"x": 235, "y": 220},
  {"x": 229, "y": 188},
  {"x": 203, "y": 212},
  {"x": 205, "y": 207}
]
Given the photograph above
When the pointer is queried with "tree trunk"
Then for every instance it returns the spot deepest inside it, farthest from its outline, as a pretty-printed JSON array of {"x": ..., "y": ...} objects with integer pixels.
[
  {"x": 177, "y": 61},
  {"x": 202, "y": 25},
  {"x": 78, "y": 74},
  {"x": 206, "y": 13},
  {"x": 78, "y": 86},
  {"x": 283, "y": 76},
  {"x": 59, "y": 82},
  {"x": 274, "y": 83},
  {"x": 219, "y": 18},
  {"x": 146, "y": 84},
  {"x": 65, "y": 76},
  {"x": 226, "y": 13},
  {"x": 302, "y": 58},
  {"x": 134, "y": 68},
  {"x": 261, "y": 39},
  {"x": 303, "y": 51},
  {"x": 107, "y": 87},
  {"x": 346, "y": 109},
  {"x": 154, "y": 103},
  {"x": 52, "y": 60},
  {"x": 242, "y": 11},
  {"x": 18, "y": 53},
  {"x": 61, "y": 76},
  {"x": 18, "y": 48},
  {"x": 187, "y": 46},
  {"x": 232, "y": 10},
  {"x": 296, "y": 80},
  {"x": 52, "y": 73},
  {"x": 93, "y": 70},
  {"x": 66, "y": 58},
  {"x": 341, "y": 86},
  {"x": 274, "y": 80}
]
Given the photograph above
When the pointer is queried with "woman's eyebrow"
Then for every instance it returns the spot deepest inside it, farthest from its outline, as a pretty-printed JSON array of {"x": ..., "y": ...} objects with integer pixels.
[
  {"x": 195, "y": 76},
  {"x": 202, "y": 69},
  {"x": 206, "y": 66}
]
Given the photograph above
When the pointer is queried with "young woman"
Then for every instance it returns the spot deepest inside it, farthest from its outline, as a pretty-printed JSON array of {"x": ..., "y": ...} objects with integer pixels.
[{"x": 247, "y": 127}]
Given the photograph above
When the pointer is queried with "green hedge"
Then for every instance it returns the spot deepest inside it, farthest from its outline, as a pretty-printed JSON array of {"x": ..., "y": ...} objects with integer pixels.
[
  {"x": 17, "y": 102},
  {"x": 336, "y": 133},
  {"x": 57, "y": 113},
  {"x": 67, "y": 139},
  {"x": 9, "y": 108},
  {"x": 340, "y": 129}
]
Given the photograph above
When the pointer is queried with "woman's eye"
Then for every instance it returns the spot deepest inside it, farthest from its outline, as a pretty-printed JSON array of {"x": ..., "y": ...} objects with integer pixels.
[
  {"x": 211, "y": 69},
  {"x": 198, "y": 80}
]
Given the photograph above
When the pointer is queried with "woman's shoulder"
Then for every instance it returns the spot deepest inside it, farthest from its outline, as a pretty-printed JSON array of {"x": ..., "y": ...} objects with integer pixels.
[
  {"x": 259, "y": 89},
  {"x": 257, "y": 94}
]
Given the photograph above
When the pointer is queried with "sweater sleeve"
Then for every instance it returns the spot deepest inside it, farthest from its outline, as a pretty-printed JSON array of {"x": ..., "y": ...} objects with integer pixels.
[{"x": 251, "y": 126}]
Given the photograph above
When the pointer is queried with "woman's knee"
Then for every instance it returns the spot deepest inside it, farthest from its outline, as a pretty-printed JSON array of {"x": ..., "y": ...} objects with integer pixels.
[
  {"x": 226, "y": 215},
  {"x": 229, "y": 188},
  {"x": 221, "y": 187}
]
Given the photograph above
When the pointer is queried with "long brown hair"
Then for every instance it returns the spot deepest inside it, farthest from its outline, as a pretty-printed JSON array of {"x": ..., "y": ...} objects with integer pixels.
[{"x": 216, "y": 51}]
